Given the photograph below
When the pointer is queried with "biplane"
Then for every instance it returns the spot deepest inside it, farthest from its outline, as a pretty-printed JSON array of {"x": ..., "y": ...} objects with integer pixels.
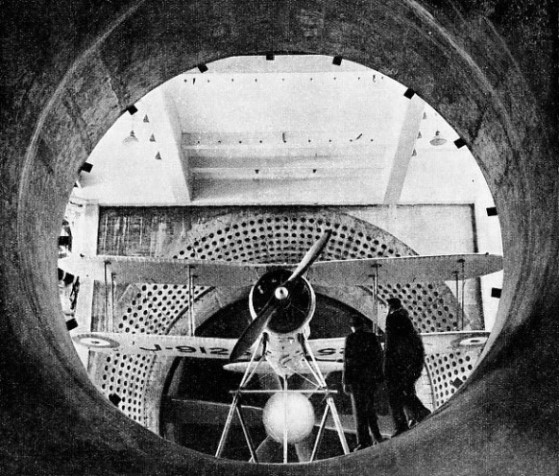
[{"x": 282, "y": 303}]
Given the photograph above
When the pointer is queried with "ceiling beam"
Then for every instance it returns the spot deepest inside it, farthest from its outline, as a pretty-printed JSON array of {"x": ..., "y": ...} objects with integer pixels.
[
  {"x": 285, "y": 150},
  {"x": 362, "y": 160},
  {"x": 404, "y": 149},
  {"x": 282, "y": 173},
  {"x": 166, "y": 126}
]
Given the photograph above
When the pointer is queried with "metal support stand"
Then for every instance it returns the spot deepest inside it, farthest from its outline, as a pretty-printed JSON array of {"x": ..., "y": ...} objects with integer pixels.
[
  {"x": 246, "y": 432},
  {"x": 285, "y": 420},
  {"x": 237, "y": 408},
  {"x": 329, "y": 400},
  {"x": 457, "y": 301},
  {"x": 320, "y": 434}
]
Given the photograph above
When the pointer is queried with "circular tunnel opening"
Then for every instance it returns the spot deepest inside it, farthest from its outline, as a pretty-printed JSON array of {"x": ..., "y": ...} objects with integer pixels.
[
  {"x": 497, "y": 128},
  {"x": 179, "y": 158}
]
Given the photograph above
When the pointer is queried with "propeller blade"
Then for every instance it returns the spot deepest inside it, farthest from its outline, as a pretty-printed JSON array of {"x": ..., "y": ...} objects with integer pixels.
[
  {"x": 253, "y": 331},
  {"x": 310, "y": 256}
]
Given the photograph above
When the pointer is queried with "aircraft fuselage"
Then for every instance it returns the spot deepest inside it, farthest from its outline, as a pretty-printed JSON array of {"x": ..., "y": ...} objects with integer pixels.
[{"x": 289, "y": 324}]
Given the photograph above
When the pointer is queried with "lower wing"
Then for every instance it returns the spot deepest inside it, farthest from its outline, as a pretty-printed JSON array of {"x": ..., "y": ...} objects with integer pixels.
[
  {"x": 434, "y": 342},
  {"x": 328, "y": 352},
  {"x": 153, "y": 344}
]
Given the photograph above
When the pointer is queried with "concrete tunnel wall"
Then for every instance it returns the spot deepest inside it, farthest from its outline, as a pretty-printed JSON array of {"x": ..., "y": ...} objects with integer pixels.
[{"x": 69, "y": 69}]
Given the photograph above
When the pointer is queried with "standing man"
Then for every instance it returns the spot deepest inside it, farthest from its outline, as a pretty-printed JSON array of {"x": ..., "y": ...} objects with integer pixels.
[
  {"x": 362, "y": 373},
  {"x": 404, "y": 359}
]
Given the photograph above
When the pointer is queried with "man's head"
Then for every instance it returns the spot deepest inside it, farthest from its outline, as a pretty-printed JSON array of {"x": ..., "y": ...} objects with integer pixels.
[
  {"x": 394, "y": 304},
  {"x": 356, "y": 322}
]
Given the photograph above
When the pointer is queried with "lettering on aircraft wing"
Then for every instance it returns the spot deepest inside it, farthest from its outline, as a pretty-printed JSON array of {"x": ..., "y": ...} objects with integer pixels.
[
  {"x": 162, "y": 345},
  {"x": 331, "y": 349},
  {"x": 330, "y": 352},
  {"x": 188, "y": 349}
]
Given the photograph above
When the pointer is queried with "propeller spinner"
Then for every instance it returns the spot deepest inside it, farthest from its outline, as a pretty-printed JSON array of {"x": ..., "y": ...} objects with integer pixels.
[{"x": 295, "y": 302}]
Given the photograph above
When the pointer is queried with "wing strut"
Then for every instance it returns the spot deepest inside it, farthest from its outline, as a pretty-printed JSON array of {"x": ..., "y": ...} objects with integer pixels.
[
  {"x": 375, "y": 267},
  {"x": 460, "y": 295},
  {"x": 109, "y": 295},
  {"x": 284, "y": 419},
  {"x": 463, "y": 266},
  {"x": 191, "y": 325}
]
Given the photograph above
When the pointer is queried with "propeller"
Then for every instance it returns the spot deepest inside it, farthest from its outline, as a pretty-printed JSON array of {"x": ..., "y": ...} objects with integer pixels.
[
  {"x": 253, "y": 331},
  {"x": 310, "y": 256},
  {"x": 279, "y": 299}
]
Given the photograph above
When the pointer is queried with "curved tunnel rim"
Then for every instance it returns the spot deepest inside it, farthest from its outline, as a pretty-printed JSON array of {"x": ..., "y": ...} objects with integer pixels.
[{"x": 31, "y": 156}]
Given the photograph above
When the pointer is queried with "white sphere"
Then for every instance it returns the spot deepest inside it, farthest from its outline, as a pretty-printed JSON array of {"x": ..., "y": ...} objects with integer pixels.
[{"x": 291, "y": 409}]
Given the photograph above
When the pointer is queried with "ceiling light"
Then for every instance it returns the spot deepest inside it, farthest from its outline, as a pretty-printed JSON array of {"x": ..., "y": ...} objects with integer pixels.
[
  {"x": 437, "y": 139},
  {"x": 130, "y": 139}
]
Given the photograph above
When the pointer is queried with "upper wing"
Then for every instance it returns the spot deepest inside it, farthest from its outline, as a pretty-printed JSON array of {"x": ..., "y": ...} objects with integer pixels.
[
  {"x": 152, "y": 344},
  {"x": 133, "y": 269},
  {"x": 403, "y": 269}
]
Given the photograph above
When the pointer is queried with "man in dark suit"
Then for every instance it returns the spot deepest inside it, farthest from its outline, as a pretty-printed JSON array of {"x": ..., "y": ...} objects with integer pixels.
[
  {"x": 403, "y": 363},
  {"x": 362, "y": 374}
]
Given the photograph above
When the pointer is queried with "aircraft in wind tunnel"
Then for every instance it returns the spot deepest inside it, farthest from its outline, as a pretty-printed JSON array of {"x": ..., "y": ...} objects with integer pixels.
[{"x": 282, "y": 303}]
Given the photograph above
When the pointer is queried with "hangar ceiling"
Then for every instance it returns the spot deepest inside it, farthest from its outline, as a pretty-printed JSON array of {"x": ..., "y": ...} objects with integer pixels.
[{"x": 292, "y": 130}]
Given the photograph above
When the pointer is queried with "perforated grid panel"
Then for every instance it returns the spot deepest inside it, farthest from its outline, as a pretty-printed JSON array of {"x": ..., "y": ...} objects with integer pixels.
[
  {"x": 125, "y": 375},
  {"x": 431, "y": 306},
  {"x": 285, "y": 239},
  {"x": 150, "y": 308},
  {"x": 449, "y": 372},
  {"x": 258, "y": 237}
]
